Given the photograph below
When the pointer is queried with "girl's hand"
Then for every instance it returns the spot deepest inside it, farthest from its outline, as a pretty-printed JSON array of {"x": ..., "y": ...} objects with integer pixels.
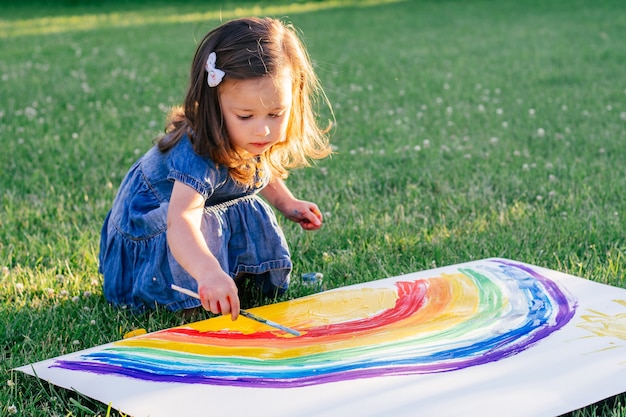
[
  {"x": 305, "y": 213},
  {"x": 299, "y": 211},
  {"x": 218, "y": 293}
]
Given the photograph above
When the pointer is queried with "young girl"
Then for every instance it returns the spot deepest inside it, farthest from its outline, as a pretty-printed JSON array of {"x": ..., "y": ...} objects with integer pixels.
[{"x": 187, "y": 213}]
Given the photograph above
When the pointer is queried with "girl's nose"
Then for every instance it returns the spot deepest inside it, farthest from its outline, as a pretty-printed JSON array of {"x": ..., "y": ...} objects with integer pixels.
[{"x": 263, "y": 130}]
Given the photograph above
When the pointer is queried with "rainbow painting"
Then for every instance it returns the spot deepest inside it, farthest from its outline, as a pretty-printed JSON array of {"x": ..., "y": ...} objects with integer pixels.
[{"x": 442, "y": 341}]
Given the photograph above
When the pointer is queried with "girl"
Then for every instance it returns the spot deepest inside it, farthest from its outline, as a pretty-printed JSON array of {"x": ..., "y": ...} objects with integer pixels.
[{"x": 187, "y": 213}]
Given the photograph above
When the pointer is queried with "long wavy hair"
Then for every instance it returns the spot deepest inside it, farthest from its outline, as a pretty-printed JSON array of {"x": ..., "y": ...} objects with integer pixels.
[{"x": 250, "y": 48}]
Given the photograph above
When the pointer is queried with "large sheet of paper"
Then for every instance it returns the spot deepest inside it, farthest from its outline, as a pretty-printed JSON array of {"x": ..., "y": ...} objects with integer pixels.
[{"x": 491, "y": 337}]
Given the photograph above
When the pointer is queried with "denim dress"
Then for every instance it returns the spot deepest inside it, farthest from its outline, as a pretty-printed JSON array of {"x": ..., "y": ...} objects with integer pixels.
[{"x": 240, "y": 229}]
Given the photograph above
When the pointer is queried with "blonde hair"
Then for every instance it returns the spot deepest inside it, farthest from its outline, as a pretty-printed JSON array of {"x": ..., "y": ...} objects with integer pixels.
[{"x": 249, "y": 48}]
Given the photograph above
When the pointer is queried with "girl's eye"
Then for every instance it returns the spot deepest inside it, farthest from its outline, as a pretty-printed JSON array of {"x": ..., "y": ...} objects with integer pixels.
[
  {"x": 244, "y": 117},
  {"x": 275, "y": 115}
]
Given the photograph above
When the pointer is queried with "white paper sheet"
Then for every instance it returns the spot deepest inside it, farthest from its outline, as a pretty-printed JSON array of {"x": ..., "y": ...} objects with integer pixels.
[{"x": 491, "y": 337}]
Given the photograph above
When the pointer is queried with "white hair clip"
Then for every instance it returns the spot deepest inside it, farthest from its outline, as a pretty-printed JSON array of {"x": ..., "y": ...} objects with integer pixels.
[{"x": 214, "y": 75}]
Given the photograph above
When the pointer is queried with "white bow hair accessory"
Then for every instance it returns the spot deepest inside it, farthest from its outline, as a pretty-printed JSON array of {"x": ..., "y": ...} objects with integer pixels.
[{"x": 214, "y": 75}]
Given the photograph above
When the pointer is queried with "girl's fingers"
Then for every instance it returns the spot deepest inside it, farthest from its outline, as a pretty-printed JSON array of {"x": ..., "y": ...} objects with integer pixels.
[{"x": 234, "y": 308}]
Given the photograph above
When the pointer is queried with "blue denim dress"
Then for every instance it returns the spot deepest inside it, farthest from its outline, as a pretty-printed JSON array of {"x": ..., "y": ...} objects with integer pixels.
[{"x": 240, "y": 230}]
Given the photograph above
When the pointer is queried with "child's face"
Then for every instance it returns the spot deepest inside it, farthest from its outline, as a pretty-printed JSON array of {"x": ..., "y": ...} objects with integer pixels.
[{"x": 256, "y": 111}]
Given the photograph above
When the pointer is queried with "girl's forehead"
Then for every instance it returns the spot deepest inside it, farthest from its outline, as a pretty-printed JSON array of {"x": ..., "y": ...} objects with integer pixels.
[{"x": 268, "y": 91}]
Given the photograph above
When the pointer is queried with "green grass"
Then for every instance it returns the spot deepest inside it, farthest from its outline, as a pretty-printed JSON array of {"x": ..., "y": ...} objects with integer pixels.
[{"x": 465, "y": 130}]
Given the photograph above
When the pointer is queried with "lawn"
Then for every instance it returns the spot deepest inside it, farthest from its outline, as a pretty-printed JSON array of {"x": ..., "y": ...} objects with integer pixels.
[{"x": 465, "y": 129}]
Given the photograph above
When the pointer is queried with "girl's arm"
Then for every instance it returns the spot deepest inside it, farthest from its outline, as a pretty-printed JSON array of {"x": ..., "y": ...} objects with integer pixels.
[
  {"x": 299, "y": 211},
  {"x": 217, "y": 290}
]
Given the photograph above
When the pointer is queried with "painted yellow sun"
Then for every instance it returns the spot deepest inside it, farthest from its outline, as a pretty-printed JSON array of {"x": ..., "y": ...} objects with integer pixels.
[{"x": 602, "y": 324}]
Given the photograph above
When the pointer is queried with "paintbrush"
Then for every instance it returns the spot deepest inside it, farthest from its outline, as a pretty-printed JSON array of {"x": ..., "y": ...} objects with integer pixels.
[{"x": 242, "y": 312}]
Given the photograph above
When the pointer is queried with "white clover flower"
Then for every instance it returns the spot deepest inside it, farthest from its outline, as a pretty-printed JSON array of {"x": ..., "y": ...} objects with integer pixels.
[
  {"x": 531, "y": 112},
  {"x": 499, "y": 112},
  {"x": 76, "y": 342},
  {"x": 449, "y": 110},
  {"x": 609, "y": 107},
  {"x": 541, "y": 132},
  {"x": 494, "y": 140},
  {"x": 622, "y": 115},
  {"x": 539, "y": 198},
  {"x": 30, "y": 112},
  {"x": 87, "y": 294},
  {"x": 564, "y": 107},
  {"x": 602, "y": 150},
  {"x": 49, "y": 292},
  {"x": 10, "y": 383},
  {"x": 505, "y": 124},
  {"x": 481, "y": 108},
  {"x": 439, "y": 100},
  {"x": 12, "y": 409},
  {"x": 5, "y": 270},
  {"x": 446, "y": 86},
  {"x": 525, "y": 167},
  {"x": 467, "y": 156},
  {"x": 424, "y": 107},
  {"x": 517, "y": 153},
  {"x": 19, "y": 287},
  {"x": 549, "y": 165},
  {"x": 417, "y": 148},
  {"x": 445, "y": 148},
  {"x": 552, "y": 194},
  {"x": 92, "y": 322},
  {"x": 426, "y": 143},
  {"x": 63, "y": 293},
  {"x": 75, "y": 299}
]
